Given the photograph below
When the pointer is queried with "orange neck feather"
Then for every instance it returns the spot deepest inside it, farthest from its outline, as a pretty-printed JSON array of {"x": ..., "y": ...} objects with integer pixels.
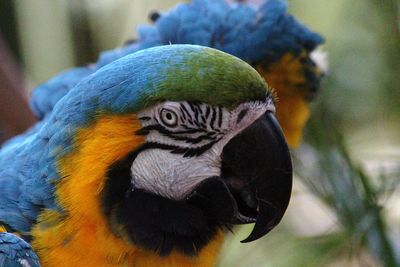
[{"x": 81, "y": 236}]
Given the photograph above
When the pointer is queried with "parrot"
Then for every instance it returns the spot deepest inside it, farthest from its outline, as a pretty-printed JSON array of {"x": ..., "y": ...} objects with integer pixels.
[
  {"x": 148, "y": 161},
  {"x": 278, "y": 46}
]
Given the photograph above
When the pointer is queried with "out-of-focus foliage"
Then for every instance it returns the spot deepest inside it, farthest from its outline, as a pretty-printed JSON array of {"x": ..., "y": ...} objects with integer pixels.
[
  {"x": 349, "y": 191},
  {"x": 59, "y": 34},
  {"x": 363, "y": 41}
]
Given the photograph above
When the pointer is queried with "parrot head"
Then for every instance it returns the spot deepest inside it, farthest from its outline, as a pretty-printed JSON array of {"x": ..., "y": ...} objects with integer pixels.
[
  {"x": 212, "y": 153},
  {"x": 277, "y": 45}
]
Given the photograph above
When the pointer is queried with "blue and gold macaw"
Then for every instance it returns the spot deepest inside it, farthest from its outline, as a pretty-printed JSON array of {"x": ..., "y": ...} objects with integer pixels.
[
  {"x": 266, "y": 36},
  {"x": 146, "y": 162}
]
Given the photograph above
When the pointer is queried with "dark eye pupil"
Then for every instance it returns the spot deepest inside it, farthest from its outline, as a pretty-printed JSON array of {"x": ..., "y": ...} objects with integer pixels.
[{"x": 168, "y": 116}]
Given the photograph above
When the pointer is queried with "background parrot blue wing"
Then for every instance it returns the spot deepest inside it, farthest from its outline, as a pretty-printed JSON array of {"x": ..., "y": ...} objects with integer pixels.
[
  {"x": 46, "y": 95},
  {"x": 15, "y": 252}
]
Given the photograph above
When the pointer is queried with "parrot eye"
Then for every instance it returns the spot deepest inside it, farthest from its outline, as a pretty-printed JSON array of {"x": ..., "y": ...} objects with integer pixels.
[{"x": 169, "y": 117}]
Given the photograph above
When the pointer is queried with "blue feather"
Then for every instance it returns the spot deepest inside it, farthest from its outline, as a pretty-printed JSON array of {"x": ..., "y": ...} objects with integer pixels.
[{"x": 15, "y": 252}]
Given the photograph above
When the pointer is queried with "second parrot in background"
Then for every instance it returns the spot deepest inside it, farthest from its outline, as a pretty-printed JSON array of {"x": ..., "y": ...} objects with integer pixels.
[{"x": 281, "y": 49}]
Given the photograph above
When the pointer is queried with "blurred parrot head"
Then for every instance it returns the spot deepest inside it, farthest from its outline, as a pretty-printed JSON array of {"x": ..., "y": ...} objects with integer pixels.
[
  {"x": 207, "y": 152},
  {"x": 281, "y": 48}
]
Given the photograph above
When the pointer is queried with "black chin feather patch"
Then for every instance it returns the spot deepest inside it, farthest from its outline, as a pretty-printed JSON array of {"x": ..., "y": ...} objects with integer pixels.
[{"x": 160, "y": 224}]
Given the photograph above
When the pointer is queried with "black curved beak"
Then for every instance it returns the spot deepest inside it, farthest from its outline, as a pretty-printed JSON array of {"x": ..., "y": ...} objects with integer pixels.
[{"x": 257, "y": 169}]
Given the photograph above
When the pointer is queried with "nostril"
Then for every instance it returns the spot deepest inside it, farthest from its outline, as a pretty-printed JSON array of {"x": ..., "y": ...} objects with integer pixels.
[{"x": 248, "y": 198}]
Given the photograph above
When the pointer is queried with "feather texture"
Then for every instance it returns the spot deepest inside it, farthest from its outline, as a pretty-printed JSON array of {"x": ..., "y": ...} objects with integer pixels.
[
  {"x": 47, "y": 175},
  {"x": 254, "y": 34},
  {"x": 15, "y": 252}
]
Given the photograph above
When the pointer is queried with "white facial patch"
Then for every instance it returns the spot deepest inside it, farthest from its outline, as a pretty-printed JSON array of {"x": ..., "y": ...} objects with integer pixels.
[
  {"x": 186, "y": 142},
  {"x": 320, "y": 58}
]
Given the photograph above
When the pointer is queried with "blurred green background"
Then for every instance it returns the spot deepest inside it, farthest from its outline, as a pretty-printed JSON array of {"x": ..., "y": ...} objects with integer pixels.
[{"x": 345, "y": 210}]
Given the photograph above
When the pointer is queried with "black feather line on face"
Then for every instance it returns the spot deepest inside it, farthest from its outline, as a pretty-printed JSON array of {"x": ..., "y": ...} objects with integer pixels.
[
  {"x": 241, "y": 115},
  {"x": 175, "y": 135},
  {"x": 185, "y": 111},
  {"x": 213, "y": 117},
  {"x": 160, "y": 224},
  {"x": 220, "y": 114},
  {"x": 159, "y": 128},
  {"x": 185, "y": 151},
  {"x": 195, "y": 109}
]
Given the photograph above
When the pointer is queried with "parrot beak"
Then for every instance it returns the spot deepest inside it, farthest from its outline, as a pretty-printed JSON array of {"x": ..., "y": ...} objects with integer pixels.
[{"x": 257, "y": 170}]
